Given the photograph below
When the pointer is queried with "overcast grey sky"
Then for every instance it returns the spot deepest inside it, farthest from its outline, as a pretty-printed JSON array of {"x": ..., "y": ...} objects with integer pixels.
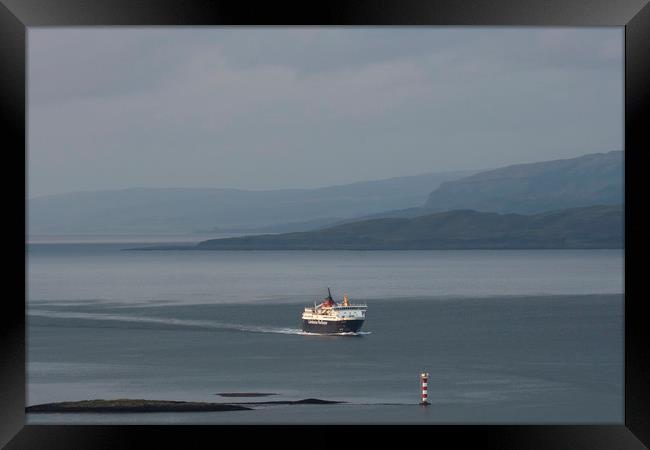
[{"x": 266, "y": 108}]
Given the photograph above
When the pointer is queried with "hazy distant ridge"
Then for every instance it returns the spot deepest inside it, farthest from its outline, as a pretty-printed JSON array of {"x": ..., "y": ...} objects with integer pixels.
[
  {"x": 594, "y": 179},
  {"x": 160, "y": 210}
]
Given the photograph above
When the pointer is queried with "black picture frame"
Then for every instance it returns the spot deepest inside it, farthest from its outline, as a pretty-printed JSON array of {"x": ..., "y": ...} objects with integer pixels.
[{"x": 17, "y": 15}]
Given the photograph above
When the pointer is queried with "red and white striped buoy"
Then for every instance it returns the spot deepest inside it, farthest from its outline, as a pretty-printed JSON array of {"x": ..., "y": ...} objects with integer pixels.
[{"x": 424, "y": 377}]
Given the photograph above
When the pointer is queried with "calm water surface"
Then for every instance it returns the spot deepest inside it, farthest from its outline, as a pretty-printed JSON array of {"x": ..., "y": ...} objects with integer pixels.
[{"x": 507, "y": 336}]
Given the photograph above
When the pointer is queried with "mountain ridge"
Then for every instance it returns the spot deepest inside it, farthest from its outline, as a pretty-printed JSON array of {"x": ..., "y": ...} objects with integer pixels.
[
  {"x": 595, "y": 178},
  {"x": 592, "y": 179},
  {"x": 473, "y": 188}
]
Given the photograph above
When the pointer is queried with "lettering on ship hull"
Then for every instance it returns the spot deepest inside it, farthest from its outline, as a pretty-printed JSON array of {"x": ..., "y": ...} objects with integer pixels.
[{"x": 331, "y": 317}]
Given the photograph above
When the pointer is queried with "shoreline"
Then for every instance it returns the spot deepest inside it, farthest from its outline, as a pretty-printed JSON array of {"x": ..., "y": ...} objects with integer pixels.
[{"x": 362, "y": 249}]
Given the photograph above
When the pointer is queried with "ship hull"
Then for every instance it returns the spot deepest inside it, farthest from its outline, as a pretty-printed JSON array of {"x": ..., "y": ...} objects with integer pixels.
[{"x": 331, "y": 326}]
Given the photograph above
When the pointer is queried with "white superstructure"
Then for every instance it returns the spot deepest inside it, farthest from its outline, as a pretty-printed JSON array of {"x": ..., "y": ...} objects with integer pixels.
[{"x": 330, "y": 317}]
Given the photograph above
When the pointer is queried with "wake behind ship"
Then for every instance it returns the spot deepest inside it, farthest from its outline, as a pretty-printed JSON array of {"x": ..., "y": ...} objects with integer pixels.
[{"x": 330, "y": 317}]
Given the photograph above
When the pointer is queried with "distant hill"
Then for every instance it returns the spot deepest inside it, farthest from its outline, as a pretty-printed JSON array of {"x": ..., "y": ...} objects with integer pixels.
[
  {"x": 588, "y": 227},
  {"x": 144, "y": 210},
  {"x": 593, "y": 179}
]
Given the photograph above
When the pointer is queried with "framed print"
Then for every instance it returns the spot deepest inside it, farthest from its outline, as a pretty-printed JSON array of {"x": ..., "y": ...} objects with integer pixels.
[{"x": 346, "y": 219}]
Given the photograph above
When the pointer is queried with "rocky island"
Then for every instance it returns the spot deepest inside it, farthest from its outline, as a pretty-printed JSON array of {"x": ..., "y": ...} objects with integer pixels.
[
  {"x": 131, "y": 406},
  {"x": 150, "y": 406}
]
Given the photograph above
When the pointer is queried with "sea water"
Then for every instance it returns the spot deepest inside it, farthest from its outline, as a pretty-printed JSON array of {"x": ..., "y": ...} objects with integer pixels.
[{"x": 532, "y": 336}]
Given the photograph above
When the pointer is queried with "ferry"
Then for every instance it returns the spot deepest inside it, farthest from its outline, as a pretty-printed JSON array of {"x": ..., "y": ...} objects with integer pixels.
[{"x": 330, "y": 317}]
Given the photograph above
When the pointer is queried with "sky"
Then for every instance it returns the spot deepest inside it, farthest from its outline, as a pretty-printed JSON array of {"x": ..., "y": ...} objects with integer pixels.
[{"x": 290, "y": 107}]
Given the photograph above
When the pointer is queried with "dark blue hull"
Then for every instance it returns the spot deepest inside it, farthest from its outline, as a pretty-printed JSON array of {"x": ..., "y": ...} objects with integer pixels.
[{"x": 331, "y": 327}]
